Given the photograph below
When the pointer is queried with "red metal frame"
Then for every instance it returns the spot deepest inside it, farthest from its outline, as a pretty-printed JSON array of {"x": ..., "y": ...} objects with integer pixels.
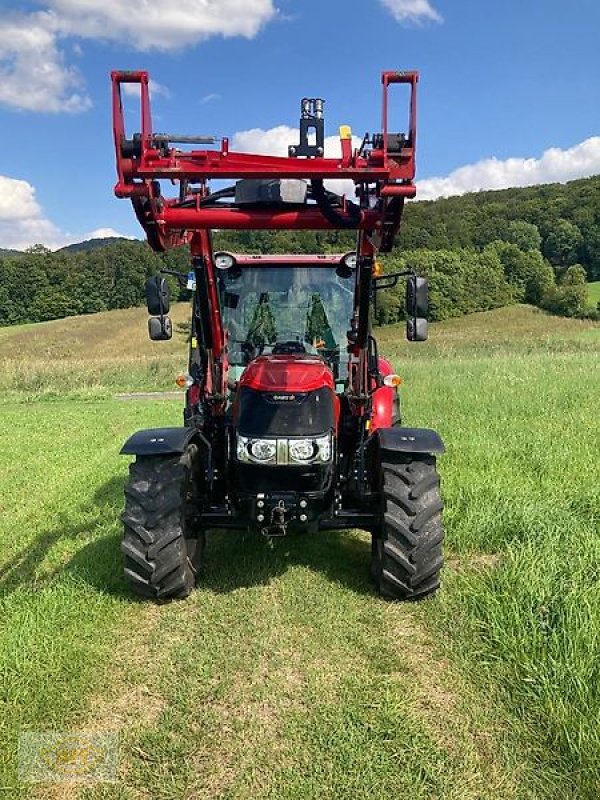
[
  {"x": 163, "y": 219},
  {"x": 169, "y": 222},
  {"x": 294, "y": 259}
]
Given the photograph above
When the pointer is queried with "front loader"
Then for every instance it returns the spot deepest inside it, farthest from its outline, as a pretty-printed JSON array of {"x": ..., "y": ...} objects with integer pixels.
[{"x": 292, "y": 419}]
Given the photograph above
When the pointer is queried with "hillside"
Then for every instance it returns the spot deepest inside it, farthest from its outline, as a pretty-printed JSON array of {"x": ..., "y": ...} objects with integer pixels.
[
  {"x": 92, "y": 244},
  {"x": 92, "y": 355},
  {"x": 566, "y": 216},
  {"x": 480, "y": 252}
]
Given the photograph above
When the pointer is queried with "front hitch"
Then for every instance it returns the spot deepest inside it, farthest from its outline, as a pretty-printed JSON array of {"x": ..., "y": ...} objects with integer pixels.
[{"x": 280, "y": 516}]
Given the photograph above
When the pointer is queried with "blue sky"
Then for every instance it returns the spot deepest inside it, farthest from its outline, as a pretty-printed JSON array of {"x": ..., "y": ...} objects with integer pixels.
[{"x": 509, "y": 92}]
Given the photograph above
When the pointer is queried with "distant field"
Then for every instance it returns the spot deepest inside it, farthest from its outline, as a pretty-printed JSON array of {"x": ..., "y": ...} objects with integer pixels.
[
  {"x": 284, "y": 675},
  {"x": 91, "y": 356},
  {"x": 594, "y": 293}
]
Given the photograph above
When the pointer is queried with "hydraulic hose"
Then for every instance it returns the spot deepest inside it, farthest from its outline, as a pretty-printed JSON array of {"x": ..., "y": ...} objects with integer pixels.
[{"x": 351, "y": 220}]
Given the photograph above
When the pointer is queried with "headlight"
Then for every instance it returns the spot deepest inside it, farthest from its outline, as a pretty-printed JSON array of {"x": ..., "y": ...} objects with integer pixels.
[
  {"x": 310, "y": 451},
  {"x": 323, "y": 445},
  {"x": 283, "y": 451},
  {"x": 347, "y": 265},
  {"x": 302, "y": 449},
  {"x": 223, "y": 260},
  {"x": 350, "y": 260},
  {"x": 261, "y": 451}
]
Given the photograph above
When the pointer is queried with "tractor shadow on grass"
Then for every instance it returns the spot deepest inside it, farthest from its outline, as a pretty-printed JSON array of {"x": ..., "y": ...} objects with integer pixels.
[
  {"x": 237, "y": 560},
  {"x": 234, "y": 559},
  {"x": 91, "y": 534},
  {"x": 99, "y": 563},
  {"x": 99, "y": 559}
]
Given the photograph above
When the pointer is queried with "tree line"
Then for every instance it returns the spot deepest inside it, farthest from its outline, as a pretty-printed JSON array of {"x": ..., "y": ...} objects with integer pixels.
[{"x": 481, "y": 251}]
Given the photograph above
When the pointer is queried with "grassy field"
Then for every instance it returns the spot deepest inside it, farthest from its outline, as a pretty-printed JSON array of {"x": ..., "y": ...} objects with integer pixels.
[
  {"x": 284, "y": 676},
  {"x": 594, "y": 293}
]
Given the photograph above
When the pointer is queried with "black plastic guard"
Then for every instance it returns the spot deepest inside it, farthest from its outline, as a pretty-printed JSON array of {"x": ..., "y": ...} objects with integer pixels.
[
  {"x": 409, "y": 440},
  {"x": 158, "y": 441}
]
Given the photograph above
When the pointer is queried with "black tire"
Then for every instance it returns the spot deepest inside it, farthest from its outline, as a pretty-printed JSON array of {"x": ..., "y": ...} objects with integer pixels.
[
  {"x": 162, "y": 545},
  {"x": 406, "y": 554}
]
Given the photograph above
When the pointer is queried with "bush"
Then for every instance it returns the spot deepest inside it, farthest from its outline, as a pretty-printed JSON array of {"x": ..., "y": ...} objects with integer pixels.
[
  {"x": 569, "y": 299},
  {"x": 524, "y": 235},
  {"x": 460, "y": 282},
  {"x": 528, "y": 272}
]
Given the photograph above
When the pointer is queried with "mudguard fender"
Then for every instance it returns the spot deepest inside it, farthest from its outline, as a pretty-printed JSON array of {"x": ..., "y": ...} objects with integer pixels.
[
  {"x": 409, "y": 440},
  {"x": 160, "y": 441}
]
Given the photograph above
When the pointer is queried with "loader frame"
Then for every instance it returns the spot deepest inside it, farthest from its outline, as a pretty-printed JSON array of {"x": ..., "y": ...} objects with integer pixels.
[{"x": 382, "y": 169}]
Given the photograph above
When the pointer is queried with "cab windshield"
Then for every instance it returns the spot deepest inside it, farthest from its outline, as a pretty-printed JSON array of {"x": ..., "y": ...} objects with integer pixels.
[{"x": 283, "y": 309}]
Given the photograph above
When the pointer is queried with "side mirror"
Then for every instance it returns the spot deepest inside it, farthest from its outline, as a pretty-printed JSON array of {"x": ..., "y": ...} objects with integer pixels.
[
  {"x": 417, "y": 290},
  {"x": 157, "y": 296},
  {"x": 160, "y": 329},
  {"x": 416, "y": 329}
]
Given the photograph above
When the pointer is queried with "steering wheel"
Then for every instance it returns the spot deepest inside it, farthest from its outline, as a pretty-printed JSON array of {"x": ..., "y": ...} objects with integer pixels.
[{"x": 288, "y": 348}]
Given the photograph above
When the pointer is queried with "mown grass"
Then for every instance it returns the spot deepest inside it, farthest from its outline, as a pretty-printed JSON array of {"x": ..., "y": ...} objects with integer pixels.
[
  {"x": 283, "y": 676},
  {"x": 60, "y": 594}
]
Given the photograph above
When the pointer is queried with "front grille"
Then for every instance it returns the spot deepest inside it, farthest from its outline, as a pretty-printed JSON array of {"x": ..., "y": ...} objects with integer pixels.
[{"x": 256, "y": 478}]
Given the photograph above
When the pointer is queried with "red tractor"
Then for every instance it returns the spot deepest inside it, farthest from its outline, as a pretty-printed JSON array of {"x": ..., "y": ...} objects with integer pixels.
[{"x": 292, "y": 419}]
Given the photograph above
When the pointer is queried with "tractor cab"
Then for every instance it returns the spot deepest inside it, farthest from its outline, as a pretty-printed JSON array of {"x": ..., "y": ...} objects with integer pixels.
[{"x": 288, "y": 306}]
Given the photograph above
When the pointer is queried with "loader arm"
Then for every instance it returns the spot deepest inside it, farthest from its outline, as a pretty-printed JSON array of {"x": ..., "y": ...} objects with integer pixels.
[{"x": 382, "y": 170}]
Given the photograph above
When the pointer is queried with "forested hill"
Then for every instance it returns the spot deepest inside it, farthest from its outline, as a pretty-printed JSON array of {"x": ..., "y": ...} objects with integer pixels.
[
  {"x": 562, "y": 221},
  {"x": 480, "y": 251},
  {"x": 567, "y": 218},
  {"x": 92, "y": 244}
]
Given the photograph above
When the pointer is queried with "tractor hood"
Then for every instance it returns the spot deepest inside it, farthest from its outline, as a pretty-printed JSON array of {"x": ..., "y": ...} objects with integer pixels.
[{"x": 287, "y": 373}]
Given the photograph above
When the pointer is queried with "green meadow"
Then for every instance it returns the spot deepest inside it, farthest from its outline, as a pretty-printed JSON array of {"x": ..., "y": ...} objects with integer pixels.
[
  {"x": 284, "y": 675},
  {"x": 594, "y": 293}
]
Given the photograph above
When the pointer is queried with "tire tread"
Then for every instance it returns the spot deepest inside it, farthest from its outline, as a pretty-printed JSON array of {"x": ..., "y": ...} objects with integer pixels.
[
  {"x": 154, "y": 544},
  {"x": 407, "y": 551}
]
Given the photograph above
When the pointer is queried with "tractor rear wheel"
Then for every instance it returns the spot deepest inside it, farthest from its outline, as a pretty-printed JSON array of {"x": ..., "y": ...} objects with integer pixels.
[
  {"x": 406, "y": 554},
  {"x": 162, "y": 544}
]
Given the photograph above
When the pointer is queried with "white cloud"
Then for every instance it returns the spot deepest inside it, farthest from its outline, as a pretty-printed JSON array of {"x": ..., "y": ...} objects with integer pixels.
[
  {"x": 23, "y": 222},
  {"x": 271, "y": 142},
  {"x": 208, "y": 98},
  {"x": 17, "y": 200},
  {"x": 102, "y": 233},
  {"x": 33, "y": 74},
  {"x": 412, "y": 10},
  {"x": 156, "y": 89},
  {"x": 165, "y": 25},
  {"x": 554, "y": 166}
]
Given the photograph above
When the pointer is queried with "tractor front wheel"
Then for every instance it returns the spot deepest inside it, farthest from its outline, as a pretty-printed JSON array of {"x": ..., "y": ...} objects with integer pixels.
[
  {"x": 162, "y": 545},
  {"x": 406, "y": 551}
]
